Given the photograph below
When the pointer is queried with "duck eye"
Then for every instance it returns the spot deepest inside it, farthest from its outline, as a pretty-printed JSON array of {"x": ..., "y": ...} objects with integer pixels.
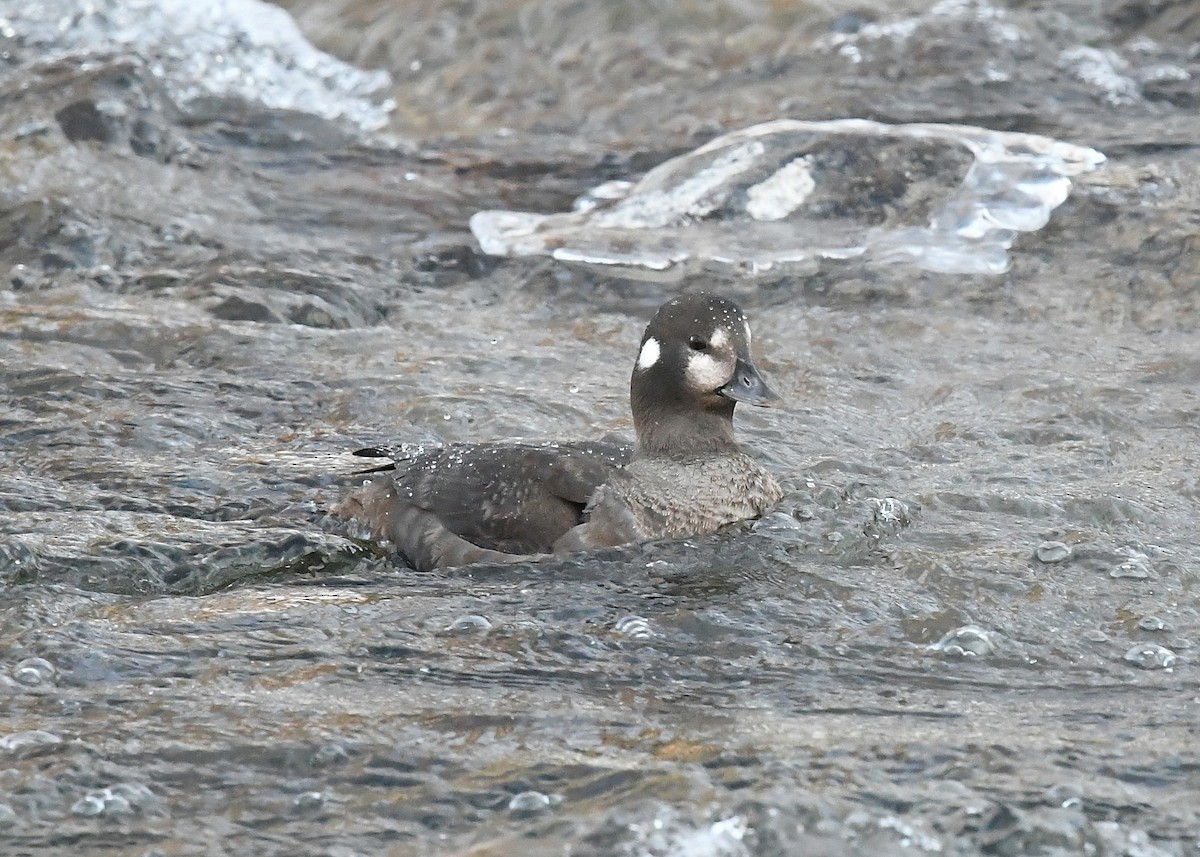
[{"x": 697, "y": 343}]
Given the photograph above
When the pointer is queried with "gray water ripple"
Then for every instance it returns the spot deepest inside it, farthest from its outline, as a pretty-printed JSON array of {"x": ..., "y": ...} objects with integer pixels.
[{"x": 199, "y": 319}]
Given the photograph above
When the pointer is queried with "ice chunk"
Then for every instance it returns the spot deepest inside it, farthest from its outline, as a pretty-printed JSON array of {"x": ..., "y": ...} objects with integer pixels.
[
  {"x": 781, "y": 193},
  {"x": 784, "y": 195},
  {"x": 246, "y": 49}
]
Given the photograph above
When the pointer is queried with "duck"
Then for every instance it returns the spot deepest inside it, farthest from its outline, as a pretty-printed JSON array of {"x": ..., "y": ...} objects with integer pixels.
[{"x": 510, "y": 501}]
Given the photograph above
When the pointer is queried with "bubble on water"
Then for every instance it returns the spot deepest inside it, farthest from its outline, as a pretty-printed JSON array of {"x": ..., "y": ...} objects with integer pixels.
[
  {"x": 18, "y": 741},
  {"x": 969, "y": 641},
  {"x": 1135, "y": 568},
  {"x": 308, "y": 800},
  {"x": 1066, "y": 795},
  {"x": 1053, "y": 552},
  {"x": 469, "y": 624},
  {"x": 1095, "y": 635},
  {"x": 27, "y": 677},
  {"x": 121, "y": 799},
  {"x": 1151, "y": 656},
  {"x": 117, "y": 805},
  {"x": 633, "y": 626},
  {"x": 531, "y": 802},
  {"x": 103, "y": 802},
  {"x": 1153, "y": 623},
  {"x": 33, "y": 672},
  {"x": 92, "y": 804}
]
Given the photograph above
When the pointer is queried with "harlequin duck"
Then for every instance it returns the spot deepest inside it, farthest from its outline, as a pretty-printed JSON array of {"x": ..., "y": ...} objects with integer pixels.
[{"x": 684, "y": 476}]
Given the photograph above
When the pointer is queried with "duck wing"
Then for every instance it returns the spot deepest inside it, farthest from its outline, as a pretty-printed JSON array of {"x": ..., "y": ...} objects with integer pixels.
[{"x": 493, "y": 501}]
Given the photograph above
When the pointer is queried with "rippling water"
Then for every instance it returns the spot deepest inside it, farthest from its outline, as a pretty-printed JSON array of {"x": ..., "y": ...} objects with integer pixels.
[{"x": 969, "y": 627}]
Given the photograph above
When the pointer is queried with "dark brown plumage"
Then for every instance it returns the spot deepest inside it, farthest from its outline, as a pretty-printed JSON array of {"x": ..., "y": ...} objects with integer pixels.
[{"x": 686, "y": 475}]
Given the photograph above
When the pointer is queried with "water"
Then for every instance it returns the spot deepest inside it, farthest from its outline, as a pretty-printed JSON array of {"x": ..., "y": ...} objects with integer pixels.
[{"x": 969, "y": 627}]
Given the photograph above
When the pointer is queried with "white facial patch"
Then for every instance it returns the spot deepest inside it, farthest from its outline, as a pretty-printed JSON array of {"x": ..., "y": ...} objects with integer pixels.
[
  {"x": 705, "y": 372},
  {"x": 719, "y": 339},
  {"x": 649, "y": 354}
]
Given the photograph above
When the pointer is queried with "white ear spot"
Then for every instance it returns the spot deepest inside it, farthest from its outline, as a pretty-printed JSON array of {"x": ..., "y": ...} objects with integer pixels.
[
  {"x": 649, "y": 354},
  {"x": 705, "y": 372},
  {"x": 719, "y": 339}
]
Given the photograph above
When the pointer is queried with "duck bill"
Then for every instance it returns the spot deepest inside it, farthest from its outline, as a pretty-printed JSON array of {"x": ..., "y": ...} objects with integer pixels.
[{"x": 749, "y": 387}]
